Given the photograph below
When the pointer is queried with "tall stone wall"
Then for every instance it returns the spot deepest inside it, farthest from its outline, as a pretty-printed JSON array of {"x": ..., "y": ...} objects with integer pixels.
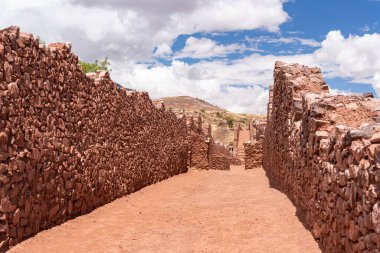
[
  {"x": 253, "y": 149},
  {"x": 70, "y": 142},
  {"x": 253, "y": 154},
  {"x": 204, "y": 153},
  {"x": 323, "y": 151},
  {"x": 237, "y": 129}
]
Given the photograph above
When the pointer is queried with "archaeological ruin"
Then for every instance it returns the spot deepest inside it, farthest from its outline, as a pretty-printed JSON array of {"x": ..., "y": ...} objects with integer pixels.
[
  {"x": 71, "y": 142},
  {"x": 322, "y": 150}
]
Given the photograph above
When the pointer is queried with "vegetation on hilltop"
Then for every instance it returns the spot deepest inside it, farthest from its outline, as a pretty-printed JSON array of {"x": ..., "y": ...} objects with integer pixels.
[{"x": 88, "y": 67}]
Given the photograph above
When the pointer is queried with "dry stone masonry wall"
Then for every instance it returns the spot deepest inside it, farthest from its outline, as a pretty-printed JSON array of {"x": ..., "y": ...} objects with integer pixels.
[
  {"x": 254, "y": 148},
  {"x": 70, "y": 142},
  {"x": 324, "y": 152},
  {"x": 204, "y": 153},
  {"x": 253, "y": 154}
]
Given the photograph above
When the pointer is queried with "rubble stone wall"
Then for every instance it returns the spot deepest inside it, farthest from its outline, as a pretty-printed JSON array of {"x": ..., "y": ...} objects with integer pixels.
[
  {"x": 198, "y": 151},
  {"x": 204, "y": 153},
  {"x": 235, "y": 143},
  {"x": 323, "y": 151},
  {"x": 253, "y": 154},
  {"x": 253, "y": 150},
  {"x": 70, "y": 142}
]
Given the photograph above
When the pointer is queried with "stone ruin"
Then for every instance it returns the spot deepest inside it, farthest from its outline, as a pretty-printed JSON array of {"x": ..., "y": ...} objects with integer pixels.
[
  {"x": 70, "y": 142},
  {"x": 254, "y": 148},
  {"x": 323, "y": 151},
  {"x": 204, "y": 153}
]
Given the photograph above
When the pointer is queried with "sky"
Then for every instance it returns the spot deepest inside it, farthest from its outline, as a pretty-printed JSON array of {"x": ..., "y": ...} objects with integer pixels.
[{"x": 222, "y": 51}]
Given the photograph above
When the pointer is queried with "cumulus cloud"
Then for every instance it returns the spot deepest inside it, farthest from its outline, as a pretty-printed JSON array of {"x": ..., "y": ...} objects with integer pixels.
[
  {"x": 284, "y": 40},
  {"x": 356, "y": 58},
  {"x": 134, "y": 31},
  {"x": 130, "y": 30},
  {"x": 163, "y": 50},
  {"x": 203, "y": 48},
  {"x": 240, "y": 85}
]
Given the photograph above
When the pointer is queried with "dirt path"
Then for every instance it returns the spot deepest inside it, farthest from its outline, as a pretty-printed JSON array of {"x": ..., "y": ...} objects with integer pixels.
[{"x": 201, "y": 211}]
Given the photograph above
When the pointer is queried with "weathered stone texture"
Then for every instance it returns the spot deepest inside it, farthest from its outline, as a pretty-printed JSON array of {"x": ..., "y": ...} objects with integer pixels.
[
  {"x": 323, "y": 151},
  {"x": 70, "y": 142},
  {"x": 253, "y": 149},
  {"x": 253, "y": 154},
  {"x": 204, "y": 153}
]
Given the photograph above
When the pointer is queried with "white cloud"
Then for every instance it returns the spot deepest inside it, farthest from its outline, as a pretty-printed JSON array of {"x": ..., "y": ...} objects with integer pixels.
[
  {"x": 365, "y": 28},
  {"x": 356, "y": 57},
  {"x": 163, "y": 50},
  {"x": 128, "y": 31},
  {"x": 239, "y": 85},
  {"x": 284, "y": 40},
  {"x": 135, "y": 27},
  {"x": 203, "y": 48},
  {"x": 309, "y": 42}
]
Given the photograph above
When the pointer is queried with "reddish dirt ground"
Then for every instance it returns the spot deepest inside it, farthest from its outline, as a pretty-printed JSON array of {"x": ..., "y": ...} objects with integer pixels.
[{"x": 200, "y": 211}]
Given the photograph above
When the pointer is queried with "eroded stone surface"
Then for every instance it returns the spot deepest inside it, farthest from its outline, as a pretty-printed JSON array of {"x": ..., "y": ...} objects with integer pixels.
[
  {"x": 71, "y": 142},
  {"x": 317, "y": 149}
]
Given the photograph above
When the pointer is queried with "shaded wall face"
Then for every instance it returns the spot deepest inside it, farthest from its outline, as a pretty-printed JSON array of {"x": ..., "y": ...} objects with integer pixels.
[
  {"x": 318, "y": 150},
  {"x": 70, "y": 143}
]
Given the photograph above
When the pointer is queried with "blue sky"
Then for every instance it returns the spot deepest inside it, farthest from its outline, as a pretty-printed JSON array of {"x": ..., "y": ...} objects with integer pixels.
[
  {"x": 222, "y": 51},
  {"x": 309, "y": 20}
]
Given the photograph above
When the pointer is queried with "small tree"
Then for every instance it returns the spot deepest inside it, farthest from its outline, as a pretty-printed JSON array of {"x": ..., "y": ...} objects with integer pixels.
[
  {"x": 230, "y": 121},
  {"x": 97, "y": 65}
]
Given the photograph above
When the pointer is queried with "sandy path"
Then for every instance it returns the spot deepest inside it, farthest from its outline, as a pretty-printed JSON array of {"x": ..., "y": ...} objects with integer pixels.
[{"x": 201, "y": 211}]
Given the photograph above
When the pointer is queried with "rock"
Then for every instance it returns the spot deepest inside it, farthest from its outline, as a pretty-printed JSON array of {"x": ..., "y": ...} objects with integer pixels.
[
  {"x": 321, "y": 135},
  {"x": 371, "y": 151},
  {"x": 53, "y": 211},
  {"x": 352, "y": 106},
  {"x": 16, "y": 217},
  {"x": 3, "y": 138},
  {"x": 6, "y": 205},
  {"x": 8, "y": 69},
  {"x": 375, "y": 138},
  {"x": 13, "y": 90},
  {"x": 353, "y": 232},
  {"x": 375, "y": 215}
]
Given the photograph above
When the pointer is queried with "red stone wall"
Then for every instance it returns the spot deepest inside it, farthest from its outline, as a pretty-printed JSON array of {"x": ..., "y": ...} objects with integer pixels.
[
  {"x": 70, "y": 142},
  {"x": 322, "y": 151},
  {"x": 253, "y": 154},
  {"x": 204, "y": 153},
  {"x": 253, "y": 150},
  {"x": 198, "y": 151},
  {"x": 237, "y": 129}
]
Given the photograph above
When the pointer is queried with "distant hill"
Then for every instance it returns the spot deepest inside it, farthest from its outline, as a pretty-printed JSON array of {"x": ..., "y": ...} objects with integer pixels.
[
  {"x": 220, "y": 119},
  {"x": 189, "y": 104}
]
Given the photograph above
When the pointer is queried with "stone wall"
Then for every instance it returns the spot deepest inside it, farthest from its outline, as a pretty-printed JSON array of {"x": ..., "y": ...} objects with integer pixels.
[
  {"x": 237, "y": 129},
  {"x": 323, "y": 151},
  {"x": 204, "y": 153},
  {"x": 253, "y": 150},
  {"x": 198, "y": 151},
  {"x": 70, "y": 142},
  {"x": 253, "y": 154}
]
